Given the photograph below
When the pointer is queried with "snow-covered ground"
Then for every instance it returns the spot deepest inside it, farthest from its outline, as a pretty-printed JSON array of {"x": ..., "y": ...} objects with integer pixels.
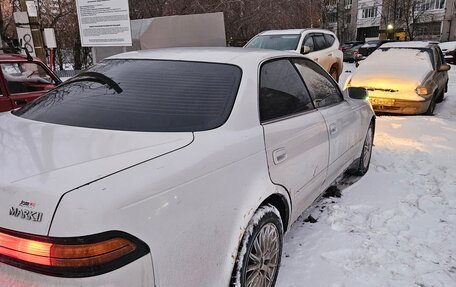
[{"x": 396, "y": 226}]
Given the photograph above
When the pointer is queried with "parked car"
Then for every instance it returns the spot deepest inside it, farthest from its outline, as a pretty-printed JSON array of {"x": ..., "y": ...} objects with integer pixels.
[
  {"x": 173, "y": 167},
  {"x": 351, "y": 44},
  {"x": 322, "y": 46},
  {"x": 351, "y": 54},
  {"x": 449, "y": 50},
  {"x": 403, "y": 78},
  {"x": 369, "y": 47},
  {"x": 22, "y": 81}
]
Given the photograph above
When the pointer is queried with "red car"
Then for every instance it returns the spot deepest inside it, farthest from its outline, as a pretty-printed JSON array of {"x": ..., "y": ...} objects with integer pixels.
[{"x": 22, "y": 81}]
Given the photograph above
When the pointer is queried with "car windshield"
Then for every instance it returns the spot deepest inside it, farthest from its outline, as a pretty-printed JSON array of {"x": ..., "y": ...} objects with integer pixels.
[
  {"x": 142, "y": 95},
  {"x": 275, "y": 42}
]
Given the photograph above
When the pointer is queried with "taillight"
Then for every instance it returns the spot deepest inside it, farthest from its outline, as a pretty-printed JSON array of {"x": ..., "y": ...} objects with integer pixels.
[{"x": 70, "y": 257}]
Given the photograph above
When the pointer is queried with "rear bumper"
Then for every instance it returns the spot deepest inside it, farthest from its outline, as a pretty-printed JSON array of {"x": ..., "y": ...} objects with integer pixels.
[
  {"x": 394, "y": 106},
  {"x": 138, "y": 273}
]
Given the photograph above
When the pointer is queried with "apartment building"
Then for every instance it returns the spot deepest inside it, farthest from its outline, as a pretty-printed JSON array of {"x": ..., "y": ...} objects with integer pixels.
[
  {"x": 394, "y": 19},
  {"x": 369, "y": 14}
]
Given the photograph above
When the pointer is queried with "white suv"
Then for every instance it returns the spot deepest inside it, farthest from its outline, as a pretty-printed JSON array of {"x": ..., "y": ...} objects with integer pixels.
[{"x": 322, "y": 46}]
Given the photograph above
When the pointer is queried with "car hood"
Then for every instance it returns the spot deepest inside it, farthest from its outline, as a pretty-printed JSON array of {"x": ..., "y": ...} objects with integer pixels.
[
  {"x": 41, "y": 162},
  {"x": 390, "y": 80}
]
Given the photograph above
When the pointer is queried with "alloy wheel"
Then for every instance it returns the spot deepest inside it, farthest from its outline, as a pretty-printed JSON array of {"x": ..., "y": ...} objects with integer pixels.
[{"x": 263, "y": 257}]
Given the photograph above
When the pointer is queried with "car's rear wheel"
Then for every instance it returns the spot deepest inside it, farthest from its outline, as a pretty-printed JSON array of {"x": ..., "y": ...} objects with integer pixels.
[
  {"x": 440, "y": 97},
  {"x": 260, "y": 252},
  {"x": 366, "y": 153},
  {"x": 333, "y": 72}
]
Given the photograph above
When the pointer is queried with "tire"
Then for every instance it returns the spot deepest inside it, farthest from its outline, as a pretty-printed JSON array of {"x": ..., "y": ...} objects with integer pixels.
[
  {"x": 440, "y": 97},
  {"x": 431, "y": 108},
  {"x": 333, "y": 72},
  {"x": 260, "y": 251},
  {"x": 366, "y": 153}
]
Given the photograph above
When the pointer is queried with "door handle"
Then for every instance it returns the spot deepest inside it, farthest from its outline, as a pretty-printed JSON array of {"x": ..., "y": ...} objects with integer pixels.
[
  {"x": 279, "y": 155},
  {"x": 332, "y": 129},
  {"x": 330, "y": 55}
]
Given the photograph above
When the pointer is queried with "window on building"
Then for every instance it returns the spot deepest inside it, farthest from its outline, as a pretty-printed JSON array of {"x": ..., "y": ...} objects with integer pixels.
[
  {"x": 425, "y": 5},
  {"x": 427, "y": 30},
  {"x": 370, "y": 12},
  {"x": 348, "y": 19}
]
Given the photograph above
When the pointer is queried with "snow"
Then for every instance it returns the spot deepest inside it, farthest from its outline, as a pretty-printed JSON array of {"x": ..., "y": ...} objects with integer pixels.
[
  {"x": 406, "y": 44},
  {"x": 448, "y": 46},
  {"x": 396, "y": 226},
  {"x": 401, "y": 70}
]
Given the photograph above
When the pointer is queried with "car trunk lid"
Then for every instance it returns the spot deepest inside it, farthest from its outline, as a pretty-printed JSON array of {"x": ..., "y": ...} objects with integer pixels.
[{"x": 41, "y": 162}]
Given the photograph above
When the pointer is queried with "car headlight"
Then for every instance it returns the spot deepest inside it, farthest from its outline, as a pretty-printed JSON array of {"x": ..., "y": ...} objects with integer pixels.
[{"x": 422, "y": 91}]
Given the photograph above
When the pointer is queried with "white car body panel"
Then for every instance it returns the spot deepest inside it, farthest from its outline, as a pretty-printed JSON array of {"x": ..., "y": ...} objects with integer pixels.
[
  {"x": 35, "y": 164},
  {"x": 302, "y": 143},
  {"x": 190, "y": 206},
  {"x": 344, "y": 123},
  {"x": 14, "y": 277}
]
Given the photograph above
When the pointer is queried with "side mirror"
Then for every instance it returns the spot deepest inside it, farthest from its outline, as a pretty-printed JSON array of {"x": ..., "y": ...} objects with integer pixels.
[
  {"x": 357, "y": 93},
  {"x": 305, "y": 50},
  {"x": 444, "y": 68}
]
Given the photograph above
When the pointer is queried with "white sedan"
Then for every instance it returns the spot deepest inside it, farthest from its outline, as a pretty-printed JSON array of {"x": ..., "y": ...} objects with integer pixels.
[{"x": 173, "y": 167}]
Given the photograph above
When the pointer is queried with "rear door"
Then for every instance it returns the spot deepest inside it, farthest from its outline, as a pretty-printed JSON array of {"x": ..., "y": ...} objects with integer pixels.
[
  {"x": 295, "y": 133},
  {"x": 26, "y": 81},
  {"x": 343, "y": 120}
]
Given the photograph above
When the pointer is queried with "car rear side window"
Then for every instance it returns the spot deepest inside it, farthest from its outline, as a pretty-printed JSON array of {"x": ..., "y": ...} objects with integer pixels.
[
  {"x": 282, "y": 92},
  {"x": 320, "y": 42},
  {"x": 330, "y": 40},
  {"x": 322, "y": 88},
  {"x": 142, "y": 95}
]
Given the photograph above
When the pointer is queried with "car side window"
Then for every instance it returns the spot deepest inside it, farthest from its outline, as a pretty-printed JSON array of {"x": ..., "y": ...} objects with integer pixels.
[
  {"x": 322, "y": 88},
  {"x": 282, "y": 92},
  {"x": 330, "y": 40},
  {"x": 309, "y": 43},
  {"x": 26, "y": 77},
  {"x": 320, "y": 42}
]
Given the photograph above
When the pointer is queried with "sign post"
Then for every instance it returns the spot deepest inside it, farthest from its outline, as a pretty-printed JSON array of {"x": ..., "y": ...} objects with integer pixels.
[{"x": 104, "y": 23}]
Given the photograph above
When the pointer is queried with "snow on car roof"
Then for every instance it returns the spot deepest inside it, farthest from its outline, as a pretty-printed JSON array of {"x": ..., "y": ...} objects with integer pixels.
[
  {"x": 394, "y": 57},
  {"x": 227, "y": 55},
  {"x": 406, "y": 44},
  {"x": 448, "y": 45}
]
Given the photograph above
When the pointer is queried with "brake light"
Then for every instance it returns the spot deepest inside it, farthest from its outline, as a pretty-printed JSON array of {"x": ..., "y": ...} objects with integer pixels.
[{"x": 70, "y": 257}]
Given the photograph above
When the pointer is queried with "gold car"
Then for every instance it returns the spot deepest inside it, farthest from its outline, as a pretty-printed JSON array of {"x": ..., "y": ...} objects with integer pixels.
[{"x": 403, "y": 78}]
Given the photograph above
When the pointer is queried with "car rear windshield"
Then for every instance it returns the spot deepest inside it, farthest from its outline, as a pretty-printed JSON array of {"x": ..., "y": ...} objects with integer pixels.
[
  {"x": 142, "y": 95},
  {"x": 275, "y": 42}
]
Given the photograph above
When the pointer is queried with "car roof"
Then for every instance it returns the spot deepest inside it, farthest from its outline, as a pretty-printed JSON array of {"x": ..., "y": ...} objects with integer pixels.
[
  {"x": 295, "y": 31},
  {"x": 228, "y": 55},
  {"x": 8, "y": 57},
  {"x": 408, "y": 44}
]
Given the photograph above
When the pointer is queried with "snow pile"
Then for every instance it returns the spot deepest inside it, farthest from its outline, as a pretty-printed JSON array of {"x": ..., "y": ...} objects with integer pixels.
[{"x": 396, "y": 226}]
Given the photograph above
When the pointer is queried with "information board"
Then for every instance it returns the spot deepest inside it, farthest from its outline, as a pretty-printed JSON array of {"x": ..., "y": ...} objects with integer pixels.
[{"x": 104, "y": 23}]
